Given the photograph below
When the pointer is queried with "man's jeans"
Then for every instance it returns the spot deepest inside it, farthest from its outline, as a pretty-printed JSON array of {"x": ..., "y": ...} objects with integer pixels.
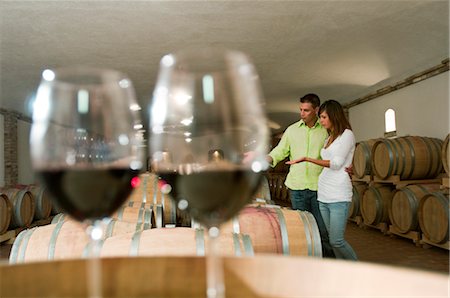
[
  {"x": 334, "y": 216},
  {"x": 306, "y": 200}
]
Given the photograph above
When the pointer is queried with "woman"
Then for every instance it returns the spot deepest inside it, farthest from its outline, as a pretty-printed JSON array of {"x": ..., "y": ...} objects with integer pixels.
[{"x": 335, "y": 188}]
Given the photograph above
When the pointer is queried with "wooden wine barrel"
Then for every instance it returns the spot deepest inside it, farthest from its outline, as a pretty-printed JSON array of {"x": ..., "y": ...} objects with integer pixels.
[
  {"x": 143, "y": 216},
  {"x": 434, "y": 217},
  {"x": 375, "y": 205},
  {"x": 405, "y": 205},
  {"x": 263, "y": 192},
  {"x": 59, "y": 218},
  {"x": 358, "y": 192},
  {"x": 5, "y": 213},
  {"x": 409, "y": 157},
  {"x": 149, "y": 192},
  {"x": 178, "y": 241},
  {"x": 23, "y": 207},
  {"x": 444, "y": 154},
  {"x": 272, "y": 184},
  {"x": 278, "y": 230},
  {"x": 261, "y": 276},
  {"x": 285, "y": 197},
  {"x": 362, "y": 158},
  {"x": 66, "y": 239},
  {"x": 56, "y": 209},
  {"x": 43, "y": 203},
  {"x": 279, "y": 188}
]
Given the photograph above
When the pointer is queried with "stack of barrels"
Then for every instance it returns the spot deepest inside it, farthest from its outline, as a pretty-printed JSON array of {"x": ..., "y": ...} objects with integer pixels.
[
  {"x": 276, "y": 177},
  {"x": 150, "y": 224},
  {"x": 420, "y": 206},
  {"x": 22, "y": 205}
]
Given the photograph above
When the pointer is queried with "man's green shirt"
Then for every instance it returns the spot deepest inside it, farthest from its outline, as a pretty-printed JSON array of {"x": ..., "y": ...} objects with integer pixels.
[{"x": 299, "y": 140}]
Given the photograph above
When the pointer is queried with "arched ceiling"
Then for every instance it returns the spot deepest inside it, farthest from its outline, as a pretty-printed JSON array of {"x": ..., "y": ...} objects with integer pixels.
[{"x": 337, "y": 49}]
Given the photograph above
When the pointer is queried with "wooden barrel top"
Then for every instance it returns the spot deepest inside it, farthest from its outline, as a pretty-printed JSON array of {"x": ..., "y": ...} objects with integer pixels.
[{"x": 262, "y": 276}]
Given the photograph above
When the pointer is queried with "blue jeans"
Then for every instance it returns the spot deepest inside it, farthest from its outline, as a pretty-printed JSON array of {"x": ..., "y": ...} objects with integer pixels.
[
  {"x": 335, "y": 218},
  {"x": 306, "y": 200}
]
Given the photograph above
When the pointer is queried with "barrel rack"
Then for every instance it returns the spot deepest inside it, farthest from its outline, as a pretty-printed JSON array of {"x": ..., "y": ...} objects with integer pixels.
[
  {"x": 417, "y": 237},
  {"x": 10, "y": 235}
]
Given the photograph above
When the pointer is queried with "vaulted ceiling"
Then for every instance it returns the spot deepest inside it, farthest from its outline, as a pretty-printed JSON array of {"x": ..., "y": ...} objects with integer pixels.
[{"x": 337, "y": 49}]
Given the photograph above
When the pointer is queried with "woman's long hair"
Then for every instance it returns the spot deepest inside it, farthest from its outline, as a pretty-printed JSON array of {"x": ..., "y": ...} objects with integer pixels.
[{"x": 337, "y": 117}]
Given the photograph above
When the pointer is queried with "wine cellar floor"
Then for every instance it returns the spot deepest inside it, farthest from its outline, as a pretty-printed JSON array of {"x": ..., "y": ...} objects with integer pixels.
[{"x": 372, "y": 246}]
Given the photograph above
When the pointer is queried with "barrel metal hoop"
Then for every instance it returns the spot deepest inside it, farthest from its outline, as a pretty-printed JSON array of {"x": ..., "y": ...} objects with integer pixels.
[
  {"x": 15, "y": 256},
  {"x": 237, "y": 245},
  {"x": 430, "y": 155},
  {"x": 18, "y": 216},
  {"x": 444, "y": 201},
  {"x": 148, "y": 219},
  {"x": 413, "y": 157},
  {"x": 173, "y": 213},
  {"x": 130, "y": 204},
  {"x": 120, "y": 213},
  {"x": 155, "y": 190},
  {"x": 411, "y": 195},
  {"x": 283, "y": 230},
  {"x": 110, "y": 228},
  {"x": 138, "y": 227},
  {"x": 200, "y": 242},
  {"x": 248, "y": 246},
  {"x": 378, "y": 205},
  {"x": 38, "y": 201},
  {"x": 52, "y": 244},
  {"x": 194, "y": 224},
  {"x": 366, "y": 152},
  {"x": 314, "y": 228},
  {"x": 159, "y": 215},
  {"x": 307, "y": 227},
  {"x": 141, "y": 215},
  {"x": 134, "y": 247},
  {"x": 315, "y": 234},
  {"x": 163, "y": 200},
  {"x": 438, "y": 163},
  {"x": 236, "y": 226},
  {"x": 391, "y": 158},
  {"x": 57, "y": 218},
  {"x": 144, "y": 190},
  {"x": 88, "y": 246},
  {"x": 413, "y": 203},
  {"x": 402, "y": 156}
]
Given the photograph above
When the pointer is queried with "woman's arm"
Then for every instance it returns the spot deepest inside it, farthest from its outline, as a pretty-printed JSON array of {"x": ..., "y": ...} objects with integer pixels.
[
  {"x": 346, "y": 145},
  {"x": 320, "y": 162}
]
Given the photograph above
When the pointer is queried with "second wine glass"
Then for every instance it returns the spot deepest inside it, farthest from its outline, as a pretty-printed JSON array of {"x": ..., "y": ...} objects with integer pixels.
[{"x": 207, "y": 112}]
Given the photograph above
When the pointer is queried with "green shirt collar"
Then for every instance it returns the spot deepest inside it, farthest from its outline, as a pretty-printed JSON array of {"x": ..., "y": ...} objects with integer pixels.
[{"x": 317, "y": 124}]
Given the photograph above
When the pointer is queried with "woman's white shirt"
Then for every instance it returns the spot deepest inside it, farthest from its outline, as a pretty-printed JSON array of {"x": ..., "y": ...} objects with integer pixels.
[{"x": 334, "y": 182}]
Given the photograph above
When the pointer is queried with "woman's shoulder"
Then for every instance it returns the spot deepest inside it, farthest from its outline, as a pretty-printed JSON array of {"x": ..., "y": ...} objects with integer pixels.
[
  {"x": 348, "y": 135},
  {"x": 348, "y": 132}
]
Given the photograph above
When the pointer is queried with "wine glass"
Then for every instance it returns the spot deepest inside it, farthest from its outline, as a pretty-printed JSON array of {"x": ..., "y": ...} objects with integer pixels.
[
  {"x": 207, "y": 112},
  {"x": 84, "y": 148}
]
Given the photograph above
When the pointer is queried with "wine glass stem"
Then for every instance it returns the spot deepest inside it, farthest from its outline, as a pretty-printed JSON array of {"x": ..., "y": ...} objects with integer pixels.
[
  {"x": 94, "y": 270},
  {"x": 214, "y": 267}
]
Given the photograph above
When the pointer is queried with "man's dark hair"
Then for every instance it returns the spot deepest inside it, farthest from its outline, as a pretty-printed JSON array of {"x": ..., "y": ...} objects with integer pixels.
[{"x": 312, "y": 98}]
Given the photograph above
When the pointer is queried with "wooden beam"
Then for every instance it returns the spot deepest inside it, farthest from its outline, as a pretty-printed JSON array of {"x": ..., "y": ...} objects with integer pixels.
[{"x": 418, "y": 77}]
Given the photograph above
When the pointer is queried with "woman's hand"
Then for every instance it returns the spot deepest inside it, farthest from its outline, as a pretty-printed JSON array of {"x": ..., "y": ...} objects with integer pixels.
[{"x": 294, "y": 161}]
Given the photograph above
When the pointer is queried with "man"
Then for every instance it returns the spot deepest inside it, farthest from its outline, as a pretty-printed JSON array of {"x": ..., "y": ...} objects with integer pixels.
[{"x": 304, "y": 138}]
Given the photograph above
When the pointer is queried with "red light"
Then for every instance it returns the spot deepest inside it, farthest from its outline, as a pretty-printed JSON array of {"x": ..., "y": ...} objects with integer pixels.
[
  {"x": 135, "y": 182},
  {"x": 161, "y": 183}
]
